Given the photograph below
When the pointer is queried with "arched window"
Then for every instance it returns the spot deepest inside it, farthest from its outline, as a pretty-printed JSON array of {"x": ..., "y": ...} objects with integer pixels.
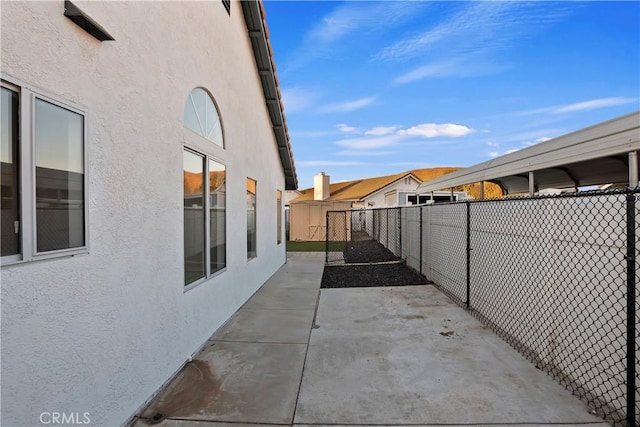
[{"x": 201, "y": 116}]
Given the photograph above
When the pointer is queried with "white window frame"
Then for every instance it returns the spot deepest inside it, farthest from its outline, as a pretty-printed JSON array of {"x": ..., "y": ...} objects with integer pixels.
[
  {"x": 209, "y": 150},
  {"x": 394, "y": 194},
  {"x": 279, "y": 217},
  {"x": 27, "y": 96},
  {"x": 417, "y": 198},
  {"x": 207, "y": 223},
  {"x": 199, "y": 135},
  {"x": 255, "y": 219}
]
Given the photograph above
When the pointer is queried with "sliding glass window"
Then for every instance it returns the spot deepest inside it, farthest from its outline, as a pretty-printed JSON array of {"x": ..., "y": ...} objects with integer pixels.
[
  {"x": 205, "y": 251},
  {"x": 217, "y": 216},
  {"x": 59, "y": 141},
  {"x": 279, "y": 216},
  {"x": 10, "y": 205},
  {"x": 43, "y": 188},
  {"x": 252, "y": 246},
  {"x": 194, "y": 217}
]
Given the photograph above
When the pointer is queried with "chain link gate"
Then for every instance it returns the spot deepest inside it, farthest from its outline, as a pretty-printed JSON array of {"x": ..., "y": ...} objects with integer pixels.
[
  {"x": 554, "y": 276},
  {"x": 363, "y": 236}
]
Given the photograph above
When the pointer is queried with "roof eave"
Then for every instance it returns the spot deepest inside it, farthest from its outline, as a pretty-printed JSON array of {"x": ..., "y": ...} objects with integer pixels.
[{"x": 254, "y": 16}]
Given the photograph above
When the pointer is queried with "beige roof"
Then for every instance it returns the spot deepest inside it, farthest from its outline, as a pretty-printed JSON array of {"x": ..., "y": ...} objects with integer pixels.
[{"x": 361, "y": 188}]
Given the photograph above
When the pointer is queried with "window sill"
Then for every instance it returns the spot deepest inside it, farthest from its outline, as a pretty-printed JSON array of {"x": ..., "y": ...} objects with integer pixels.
[
  {"x": 203, "y": 280},
  {"x": 65, "y": 253}
]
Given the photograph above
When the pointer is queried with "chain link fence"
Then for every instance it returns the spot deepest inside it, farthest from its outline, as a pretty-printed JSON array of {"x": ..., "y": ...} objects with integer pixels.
[
  {"x": 364, "y": 236},
  {"x": 555, "y": 276}
]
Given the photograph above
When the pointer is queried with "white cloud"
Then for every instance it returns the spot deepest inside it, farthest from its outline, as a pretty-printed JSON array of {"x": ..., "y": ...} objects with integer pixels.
[
  {"x": 347, "y": 19},
  {"x": 390, "y": 136},
  {"x": 379, "y": 137},
  {"x": 466, "y": 44},
  {"x": 533, "y": 135},
  {"x": 297, "y": 99},
  {"x": 468, "y": 66},
  {"x": 477, "y": 28},
  {"x": 492, "y": 144},
  {"x": 343, "y": 107},
  {"x": 369, "y": 143},
  {"x": 364, "y": 153},
  {"x": 592, "y": 104},
  {"x": 433, "y": 130},
  {"x": 357, "y": 16},
  {"x": 328, "y": 163},
  {"x": 347, "y": 129},
  {"x": 309, "y": 134},
  {"x": 494, "y": 154},
  {"x": 407, "y": 164},
  {"x": 381, "y": 130},
  {"x": 440, "y": 69}
]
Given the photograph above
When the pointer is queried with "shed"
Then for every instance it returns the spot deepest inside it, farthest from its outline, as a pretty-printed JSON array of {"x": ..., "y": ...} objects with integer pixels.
[{"x": 310, "y": 220}]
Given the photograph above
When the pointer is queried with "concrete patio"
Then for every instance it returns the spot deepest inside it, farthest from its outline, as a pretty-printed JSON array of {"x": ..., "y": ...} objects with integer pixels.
[{"x": 374, "y": 356}]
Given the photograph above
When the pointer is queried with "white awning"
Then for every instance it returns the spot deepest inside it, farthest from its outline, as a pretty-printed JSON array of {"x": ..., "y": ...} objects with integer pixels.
[{"x": 592, "y": 156}]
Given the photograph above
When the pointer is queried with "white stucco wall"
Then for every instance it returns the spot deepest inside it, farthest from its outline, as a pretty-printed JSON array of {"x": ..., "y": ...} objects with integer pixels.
[{"x": 100, "y": 333}]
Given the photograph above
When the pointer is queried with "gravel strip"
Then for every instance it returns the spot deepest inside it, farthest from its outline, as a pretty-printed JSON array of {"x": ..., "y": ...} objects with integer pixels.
[
  {"x": 366, "y": 251},
  {"x": 360, "y": 276}
]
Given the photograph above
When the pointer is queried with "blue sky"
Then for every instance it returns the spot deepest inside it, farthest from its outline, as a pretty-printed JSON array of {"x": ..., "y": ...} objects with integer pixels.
[{"x": 376, "y": 88}]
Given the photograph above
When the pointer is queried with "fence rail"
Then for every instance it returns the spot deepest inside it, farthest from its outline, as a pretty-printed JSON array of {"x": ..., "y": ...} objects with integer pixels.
[{"x": 555, "y": 276}]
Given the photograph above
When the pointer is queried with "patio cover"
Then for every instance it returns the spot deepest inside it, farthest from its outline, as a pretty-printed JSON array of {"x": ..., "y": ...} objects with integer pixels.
[{"x": 602, "y": 154}]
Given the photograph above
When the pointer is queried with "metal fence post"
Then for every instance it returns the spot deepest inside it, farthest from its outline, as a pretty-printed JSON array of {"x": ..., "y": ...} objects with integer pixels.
[
  {"x": 326, "y": 240},
  {"x": 387, "y": 241},
  {"x": 346, "y": 227},
  {"x": 468, "y": 302},
  {"x": 400, "y": 231},
  {"x": 420, "y": 239},
  {"x": 373, "y": 225},
  {"x": 631, "y": 310}
]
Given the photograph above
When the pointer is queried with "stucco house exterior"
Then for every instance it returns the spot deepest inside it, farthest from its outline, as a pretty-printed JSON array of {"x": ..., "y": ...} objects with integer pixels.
[
  {"x": 145, "y": 156},
  {"x": 308, "y": 210}
]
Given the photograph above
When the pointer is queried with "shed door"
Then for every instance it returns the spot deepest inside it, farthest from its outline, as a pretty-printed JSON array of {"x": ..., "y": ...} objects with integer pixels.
[{"x": 316, "y": 231}]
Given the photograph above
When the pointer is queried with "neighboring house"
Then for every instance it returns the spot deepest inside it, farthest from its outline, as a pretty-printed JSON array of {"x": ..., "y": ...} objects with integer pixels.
[
  {"x": 142, "y": 186},
  {"x": 308, "y": 211}
]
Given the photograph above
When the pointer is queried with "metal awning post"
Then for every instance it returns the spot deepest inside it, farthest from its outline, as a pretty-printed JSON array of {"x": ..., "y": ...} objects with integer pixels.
[
  {"x": 532, "y": 184},
  {"x": 481, "y": 190},
  {"x": 633, "y": 169},
  {"x": 631, "y": 307},
  {"x": 451, "y": 196}
]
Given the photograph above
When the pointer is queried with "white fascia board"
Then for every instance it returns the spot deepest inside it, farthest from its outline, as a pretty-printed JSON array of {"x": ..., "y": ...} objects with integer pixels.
[{"x": 620, "y": 135}]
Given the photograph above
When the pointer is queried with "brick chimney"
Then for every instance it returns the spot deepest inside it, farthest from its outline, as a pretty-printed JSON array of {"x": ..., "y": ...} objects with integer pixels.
[{"x": 321, "y": 187}]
